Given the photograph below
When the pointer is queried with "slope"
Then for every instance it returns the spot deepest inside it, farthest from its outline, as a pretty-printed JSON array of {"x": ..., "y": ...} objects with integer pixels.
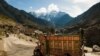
[
  {"x": 90, "y": 21},
  {"x": 20, "y": 16}
]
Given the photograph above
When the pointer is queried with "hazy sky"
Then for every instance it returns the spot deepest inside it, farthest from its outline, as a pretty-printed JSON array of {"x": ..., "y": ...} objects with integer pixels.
[{"x": 72, "y": 7}]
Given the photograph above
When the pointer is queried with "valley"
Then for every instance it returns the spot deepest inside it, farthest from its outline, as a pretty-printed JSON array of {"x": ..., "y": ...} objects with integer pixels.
[{"x": 21, "y": 32}]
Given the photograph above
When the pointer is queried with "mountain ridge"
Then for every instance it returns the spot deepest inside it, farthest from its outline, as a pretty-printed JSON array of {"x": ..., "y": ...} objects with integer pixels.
[
  {"x": 58, "y": 19},
  {"x": 90, "y": 22},
  {"x": 20, "y": 16}
]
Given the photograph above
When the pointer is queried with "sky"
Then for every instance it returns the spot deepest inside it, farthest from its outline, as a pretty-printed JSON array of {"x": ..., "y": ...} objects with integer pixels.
[{"x": 71, "y": 7}]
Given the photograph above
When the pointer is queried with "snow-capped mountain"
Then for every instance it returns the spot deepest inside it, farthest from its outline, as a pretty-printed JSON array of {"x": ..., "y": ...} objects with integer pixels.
[{"x": 58, "y": 19}]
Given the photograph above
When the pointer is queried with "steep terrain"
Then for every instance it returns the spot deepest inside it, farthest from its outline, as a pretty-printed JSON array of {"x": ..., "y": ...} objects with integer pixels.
[
  {"x": 5, "y": 20},
  {"x": 20, "y": 16},
  {"x": 90, "y": 21},
  {"x": 61, "y": 19},
  {"x": 57, "y": 19},
  {"x": 88, "y": 18}
]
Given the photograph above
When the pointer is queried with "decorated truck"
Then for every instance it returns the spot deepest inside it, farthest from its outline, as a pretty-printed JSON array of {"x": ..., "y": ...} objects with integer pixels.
[{"x": 67, "y": 45}]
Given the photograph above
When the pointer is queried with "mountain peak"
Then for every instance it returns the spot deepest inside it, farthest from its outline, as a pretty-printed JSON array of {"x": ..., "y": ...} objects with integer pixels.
[
  {"x": 58, "y": 19},
  {"x": 20, "y": 16}
]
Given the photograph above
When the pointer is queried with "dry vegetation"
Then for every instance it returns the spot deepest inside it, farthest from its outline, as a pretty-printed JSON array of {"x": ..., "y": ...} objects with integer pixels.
[{"x": 4, "y": 20}]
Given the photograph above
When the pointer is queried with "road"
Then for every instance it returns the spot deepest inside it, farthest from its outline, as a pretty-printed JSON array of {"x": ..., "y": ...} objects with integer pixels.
[{"x": 18, "y": 47}]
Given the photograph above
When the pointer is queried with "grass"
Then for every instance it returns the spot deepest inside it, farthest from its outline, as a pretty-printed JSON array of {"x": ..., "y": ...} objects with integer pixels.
[
  {"x": 6, "y": 20},
  {"x": 1, "y": 32}
]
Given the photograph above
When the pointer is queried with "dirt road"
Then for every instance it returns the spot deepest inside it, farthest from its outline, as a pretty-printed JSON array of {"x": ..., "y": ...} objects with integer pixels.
[{"x": 16, "y": 47}]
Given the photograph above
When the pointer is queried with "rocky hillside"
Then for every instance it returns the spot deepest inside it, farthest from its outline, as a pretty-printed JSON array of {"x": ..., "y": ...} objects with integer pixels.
[
  {"x": 57, "y": 19},
  {"x": 90, "y": 21},
  {"x": 20, "y": 16},
  {"x": 5, "y": 20}
]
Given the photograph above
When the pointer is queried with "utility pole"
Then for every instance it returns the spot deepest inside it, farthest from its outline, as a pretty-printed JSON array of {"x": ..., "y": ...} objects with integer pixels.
[
  {"x": 83, "y": 40},
  {"x": 46, "y": 46}
]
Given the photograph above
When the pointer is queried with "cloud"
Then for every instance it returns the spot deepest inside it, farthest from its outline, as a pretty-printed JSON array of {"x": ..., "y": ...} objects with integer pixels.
[
  {"x": 51, "y": 7},
  {"x": 41, "y": 10},
  {"x": 72, "y": 10},
  {"x": 77, "y": 7},
  {"x": 72, "y": 7},
  {"x": 87, "y": 3},
  {"x": 80, "y": 1}
]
